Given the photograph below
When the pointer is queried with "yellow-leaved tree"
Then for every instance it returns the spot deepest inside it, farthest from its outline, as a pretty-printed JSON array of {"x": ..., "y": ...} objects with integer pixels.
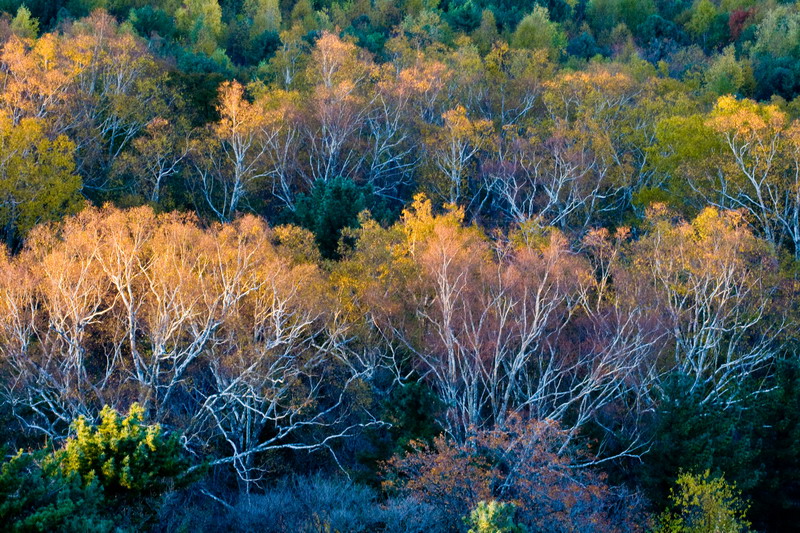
[
  {"x": 37, "y": 177},
  {"x": 703, "y": 504}
]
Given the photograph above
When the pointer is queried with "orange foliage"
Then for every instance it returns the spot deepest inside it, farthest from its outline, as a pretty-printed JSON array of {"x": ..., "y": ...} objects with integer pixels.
[{"x": 524, "y": 462}]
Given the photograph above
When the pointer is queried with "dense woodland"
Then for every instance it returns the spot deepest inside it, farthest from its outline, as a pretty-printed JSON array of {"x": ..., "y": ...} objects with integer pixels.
[{"x": 428, "y": 266}]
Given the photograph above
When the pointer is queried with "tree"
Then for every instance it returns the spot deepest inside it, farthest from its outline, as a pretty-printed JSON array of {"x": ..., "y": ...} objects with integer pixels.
[
  {"x": 200, "y": 21},
  {"x": 133, "y": 463},
  {"x": 37, "y": 177},
  {"x": 742, "y": 155},
  {"x": 36, "y": 83},
  {"x": 712, "y": 278},
  {"x": 217, "y": 330},
  {"x": 604, "y": 16},
  {"x": 401, "y": 94},
  {"x": 704, "y": 505},
  {"x": 777, "y": 34},
  {"x": 265, "y": 16},
  {"x": 290, "y": 59},
  {"x": 23, "y": 25},
  {"x": 154, "y": 157},
  {"x": 331, "y": 207},
  {"x": 764, "y": 149},
  {"x": 486, "y": 34},
  {"x": 340, "y": 104},
  {"x": 57, "y": 299},
  {"x": 689, "y": 434},
  {"x": 452, "y": 148},
  {"x": 636, "y": 12},
  {"x": 774, "y": 416},
  {"x": 575, "y": 166},
  {"x": 481, "y": 323},
  {"x": 232, "y": 155},
  {"x": 105, "y": 477},
  {"x": 775, "y": 52},
  {"x": 726, "y": 75},
  {"x": 703, "y": 14},
  {"x": 536, "y": 31},
  {"x": 515, "y": 80},
  {"x": 97, "y": 83}
]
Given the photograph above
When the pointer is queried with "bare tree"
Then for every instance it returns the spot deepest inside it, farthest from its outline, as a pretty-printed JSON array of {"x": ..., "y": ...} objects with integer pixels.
[
  {"x": 487, "y": 327},
  {"x": 713, "y": 282},
  {"x": 233, "y": 155},
  {"x": 214, "y": 331}
]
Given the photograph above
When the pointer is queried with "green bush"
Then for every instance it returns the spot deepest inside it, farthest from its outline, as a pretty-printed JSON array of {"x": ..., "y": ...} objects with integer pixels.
[
  {"x": 37, "y": 495},
  {"x": 493, "y": 517},
  {"x": 127, "y": 457},
  {"x": 112, "y": 475}
]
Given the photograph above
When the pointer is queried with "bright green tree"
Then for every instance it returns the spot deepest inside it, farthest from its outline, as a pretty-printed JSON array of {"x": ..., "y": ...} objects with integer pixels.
[
  {"x": 135, "y": 464},
  {"x": 726, "y": 75},
  {"x": 264, "y": 14},
  {"x": 536, "y": 31},
  {"x": 778, "y": 35},
  {"x": 703, "y": 504},
  {"x": 107, "y": 476},
  {"x": 201, "y": 22},
  {"x": 24, "y": 25},
  {"x": 703, "y": 14}
]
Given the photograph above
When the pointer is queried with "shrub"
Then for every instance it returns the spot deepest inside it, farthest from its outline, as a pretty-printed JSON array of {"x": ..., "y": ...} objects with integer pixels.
[
  {"x": 493, "y": 517},
  {"x": 308, "y": 503},
  {"x": 107, "y": 476},
  {"x": 36, "y": 495}
]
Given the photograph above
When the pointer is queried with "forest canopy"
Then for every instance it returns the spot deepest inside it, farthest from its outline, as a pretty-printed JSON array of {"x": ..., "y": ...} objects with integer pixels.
[{"x": 399, "y": 265}]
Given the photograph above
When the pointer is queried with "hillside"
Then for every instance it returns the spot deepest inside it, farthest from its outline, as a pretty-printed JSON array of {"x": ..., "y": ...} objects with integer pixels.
[{"x": 400, "y": 266}]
